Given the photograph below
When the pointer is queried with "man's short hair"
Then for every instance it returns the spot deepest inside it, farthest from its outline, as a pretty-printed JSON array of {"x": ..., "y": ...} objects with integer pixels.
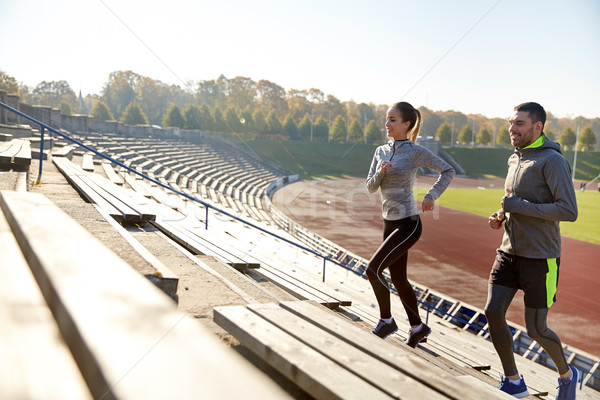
[{"x": 536, "y": 112}]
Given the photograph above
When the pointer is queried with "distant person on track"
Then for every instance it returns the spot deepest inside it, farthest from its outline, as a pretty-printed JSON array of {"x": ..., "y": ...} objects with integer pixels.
[
  {"x": 539, "y": 194},
  {"x": 394, "y": 171}
]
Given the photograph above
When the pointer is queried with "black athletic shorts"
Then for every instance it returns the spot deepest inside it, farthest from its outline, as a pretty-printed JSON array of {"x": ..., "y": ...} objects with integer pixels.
[{"x": 538, "y": 278}]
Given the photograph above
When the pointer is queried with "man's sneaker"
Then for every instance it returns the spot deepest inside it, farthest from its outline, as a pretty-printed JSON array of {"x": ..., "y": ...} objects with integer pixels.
[
  {"x": 518, "y": 391},
  {"x": 418, "y": 337},
  {"x": 384, "y": 330},
  {"x": 566, "y": 387}
]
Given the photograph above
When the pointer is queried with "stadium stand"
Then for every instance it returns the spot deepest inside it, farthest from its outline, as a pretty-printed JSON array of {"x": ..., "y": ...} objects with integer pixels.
[{"x": 315, "y": 347}]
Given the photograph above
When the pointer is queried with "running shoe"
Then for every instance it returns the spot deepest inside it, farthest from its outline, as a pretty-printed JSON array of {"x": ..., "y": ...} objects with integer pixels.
[
  {"x": 567, "y": 387},
  {"x": 418, "y": 337},
  {"x": 518, "y": 391},
  {"x": 384, "y": 330}
]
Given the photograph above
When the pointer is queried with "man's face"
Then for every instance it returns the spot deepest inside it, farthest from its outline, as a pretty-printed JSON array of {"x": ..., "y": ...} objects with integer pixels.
[{"x": 522, "y": 130}]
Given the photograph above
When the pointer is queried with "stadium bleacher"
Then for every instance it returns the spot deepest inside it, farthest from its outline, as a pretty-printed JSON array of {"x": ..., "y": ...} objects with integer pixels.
[{"x": 455, "y": 363}]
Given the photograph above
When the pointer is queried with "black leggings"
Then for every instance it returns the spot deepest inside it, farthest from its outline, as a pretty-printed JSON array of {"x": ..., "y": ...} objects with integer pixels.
[
  {"x": 399, "y": 236},
  {"x": 499, "y": 298}
]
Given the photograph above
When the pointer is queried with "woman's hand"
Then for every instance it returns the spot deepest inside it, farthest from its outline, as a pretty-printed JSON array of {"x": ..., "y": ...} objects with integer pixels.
[
  {"x": 427, "y": 204},
  {"x": 385, "y": 166}
]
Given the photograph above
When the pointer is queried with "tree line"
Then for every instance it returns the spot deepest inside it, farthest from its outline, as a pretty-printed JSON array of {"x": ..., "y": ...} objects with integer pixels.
[{"x": 264, "y": 109}]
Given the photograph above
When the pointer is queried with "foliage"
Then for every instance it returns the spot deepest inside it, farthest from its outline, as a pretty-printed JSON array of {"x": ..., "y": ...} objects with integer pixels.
[
  {"x": 374, "y": 135},
  {"x": 52, "y": 93},
  {"x": 174, "y": 117},
  {"x": 483, "y": 136},
  {"x": 568, "y": 138},
  {"x": 290, "y": 128},
  {"x": 339, "y": 130},
  {"x": 444, "y": 133},
  {"x": 65, "y": 108},
  {"x": 101, "y": 112},
  {"x": 8, "y": 83},
  {"x": 466, "y": 134},
  {"x": 133, "y": 115},
  {"x": 193, "y": 117},
  {"x": 587, "y": 139},
  {"x": 355, "y": 132}
]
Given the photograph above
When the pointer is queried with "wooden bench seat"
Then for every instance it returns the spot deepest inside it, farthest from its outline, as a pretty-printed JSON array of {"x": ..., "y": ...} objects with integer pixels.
[
  {"x": 329, "y": 357},
  {"x": 97, "y": 189},
  {"x": 15, "y": 154},
  {"x": 126, "y": 337}
]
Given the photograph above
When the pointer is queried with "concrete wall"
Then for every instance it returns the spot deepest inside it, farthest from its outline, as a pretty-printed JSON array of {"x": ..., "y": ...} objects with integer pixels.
[{"x": 81, "y": 123}]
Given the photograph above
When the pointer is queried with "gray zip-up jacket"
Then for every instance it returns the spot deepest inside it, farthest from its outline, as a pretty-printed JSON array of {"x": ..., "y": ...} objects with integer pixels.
[
  {"x": 397, "y": 183},
  {"x": 539, "y": 179}
]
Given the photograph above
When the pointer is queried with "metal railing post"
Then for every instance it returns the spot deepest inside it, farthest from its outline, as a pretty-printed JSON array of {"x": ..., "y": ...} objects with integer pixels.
[
  {"x": 324, "y": 261},
  {"x": 206, "y": 219},
  {"x": 39, "y": 178}
]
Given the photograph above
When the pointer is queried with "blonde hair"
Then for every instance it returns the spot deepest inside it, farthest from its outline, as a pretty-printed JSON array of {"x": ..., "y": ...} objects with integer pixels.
[{"x": 411, "y": 114}]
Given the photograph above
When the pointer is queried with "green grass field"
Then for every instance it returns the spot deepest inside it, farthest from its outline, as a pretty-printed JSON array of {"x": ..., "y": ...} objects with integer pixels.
[{"x": 485, "y": 202}]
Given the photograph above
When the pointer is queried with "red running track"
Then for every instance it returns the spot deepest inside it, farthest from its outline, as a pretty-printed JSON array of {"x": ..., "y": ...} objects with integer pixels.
[{"x": 454, "y": 255}]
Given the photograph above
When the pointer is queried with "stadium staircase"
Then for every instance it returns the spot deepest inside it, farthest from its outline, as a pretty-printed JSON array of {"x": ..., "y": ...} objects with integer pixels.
[{"x": 212, "y": 198}]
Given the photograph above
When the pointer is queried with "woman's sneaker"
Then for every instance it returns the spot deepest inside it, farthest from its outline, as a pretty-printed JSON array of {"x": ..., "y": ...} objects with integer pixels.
[
  {"x": 414, "y": 338},
  {"x": 384, "y": 329},
  {"x": 517, "y": 390},
  {"x": 567, "y": 387}
]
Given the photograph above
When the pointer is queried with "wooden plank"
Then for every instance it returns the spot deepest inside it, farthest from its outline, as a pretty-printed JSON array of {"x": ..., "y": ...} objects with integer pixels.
[
  {"x": 317, "y": 375},
  {"x": 127, "y": 337},
  {"x": 405, "y": 361},
  {"x": 88, "y": 162},
  {"x": 35, "y": 362},
  {"x": 111, "y": 174},
  {"x": 15, "y": 154},
  {"x": 379, "y": 374},
  {"x": 86, "y": 191}
]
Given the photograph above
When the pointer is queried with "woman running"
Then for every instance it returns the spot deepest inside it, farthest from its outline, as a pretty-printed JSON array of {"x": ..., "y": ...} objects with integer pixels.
[{"x": 394, "y": 171}]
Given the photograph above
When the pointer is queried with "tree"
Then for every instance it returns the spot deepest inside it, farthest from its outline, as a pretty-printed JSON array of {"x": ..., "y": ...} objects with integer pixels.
[
  {"x": 304, "y": 127},
  {"x": 550, "y": 135},
  {"x": 120, "y": 91},
  {"x": 321, "y": 130},
  {"x": 8, "y": 84},
  {"x": 207, "y": 122},
  {"x": 173, "y": 117},
  {"x": 483, "y": 136},
  {"x": 290, "y": 128},
  {"x": 274, "y": 126},
  {"x": 338, "y": 130},
  {"x": 503, "y": 137},
  {"x": 233, "y": 120},
  {"x": 133, "y": 115},
  {"x": 211, "y": 93},
  {"x": 101, "y": 112},
  {"x": 355, "y": 132},
  {"x": 65, "y": 108},
  {"x": 193, "y": 117},
  {"x": 587, "y": 139},
  {"x": 374, "y": 135},
  {"x": 247, "y": 121},
  {"x": 272, "y": 97},
  {"x": 466, "y": 134},
  {"x": 568, "y": 138},
  {"x": 260, "y": 122},
  {"x": 52, "y": 93},
  {"x": 242, "y": 93},
  {"x": 444, "y": 133}
]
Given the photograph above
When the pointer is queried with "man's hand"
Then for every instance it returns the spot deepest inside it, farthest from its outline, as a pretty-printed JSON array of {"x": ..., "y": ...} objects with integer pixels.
[{"x": 496, "y": 220}]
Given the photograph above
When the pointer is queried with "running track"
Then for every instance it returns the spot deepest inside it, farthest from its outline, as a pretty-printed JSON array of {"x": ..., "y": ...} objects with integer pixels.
[{"x": 454, "y": 255}]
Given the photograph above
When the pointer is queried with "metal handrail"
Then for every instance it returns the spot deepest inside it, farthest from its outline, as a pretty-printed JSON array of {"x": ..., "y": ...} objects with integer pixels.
[{"x": 43, "y": 126}]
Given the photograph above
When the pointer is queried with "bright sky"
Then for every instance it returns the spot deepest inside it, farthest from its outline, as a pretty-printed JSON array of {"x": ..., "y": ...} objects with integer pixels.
[{"x": 472, "y": 56}]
